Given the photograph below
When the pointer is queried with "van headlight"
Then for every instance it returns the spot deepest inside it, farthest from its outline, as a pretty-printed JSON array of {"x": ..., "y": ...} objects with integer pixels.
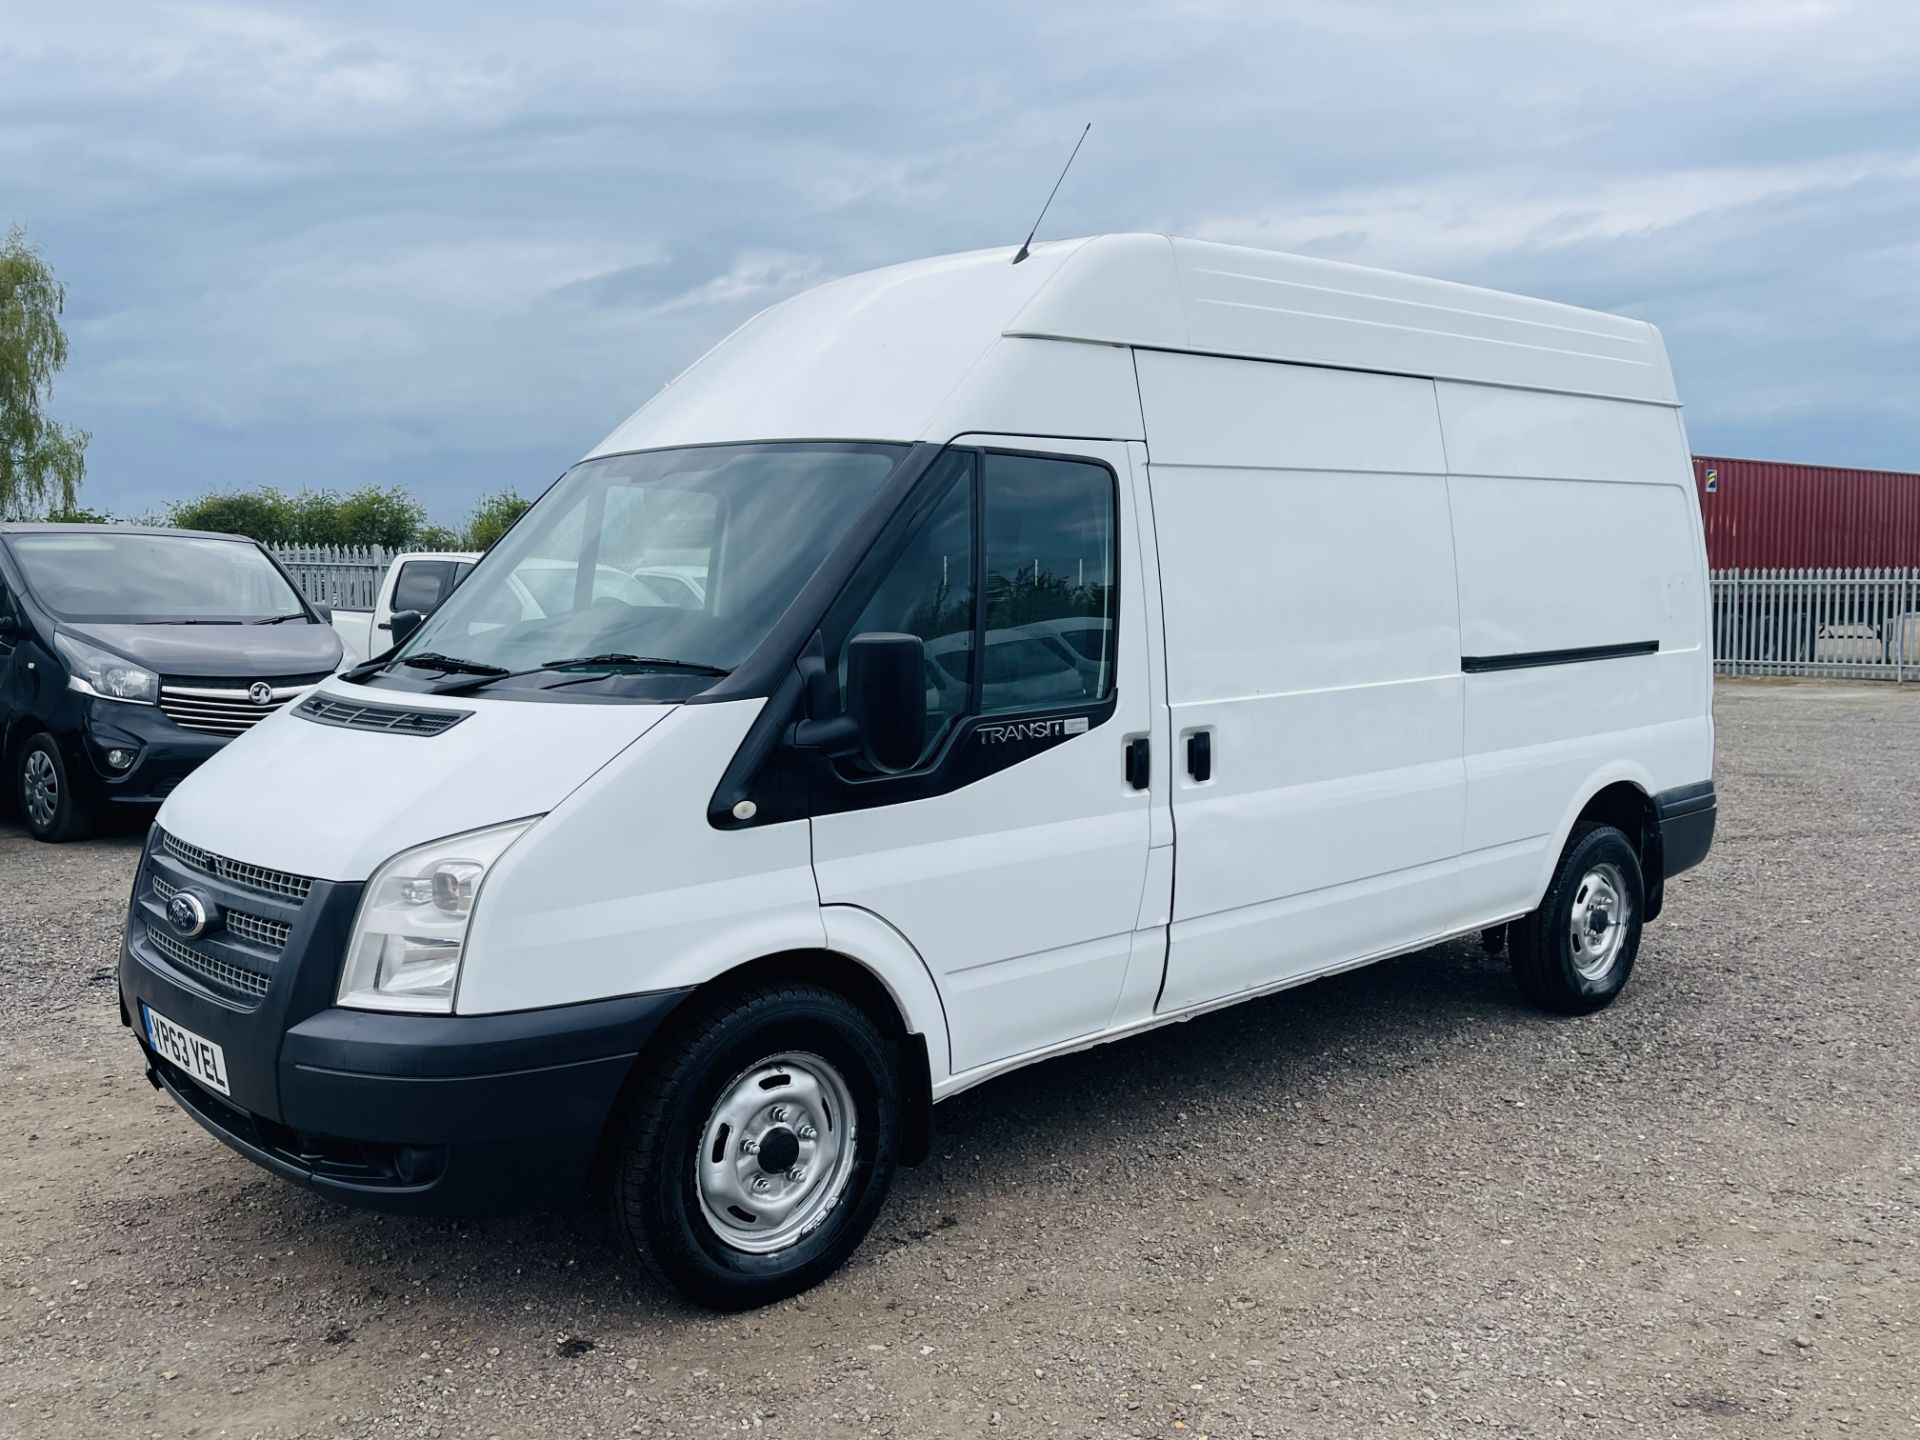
[
  {"x": 104, "y": 674},
  {"x": 405, "y": 947}
]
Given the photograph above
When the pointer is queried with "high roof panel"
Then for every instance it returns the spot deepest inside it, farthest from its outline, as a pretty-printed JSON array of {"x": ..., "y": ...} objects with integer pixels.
[{"x": 1162, "y": 293}]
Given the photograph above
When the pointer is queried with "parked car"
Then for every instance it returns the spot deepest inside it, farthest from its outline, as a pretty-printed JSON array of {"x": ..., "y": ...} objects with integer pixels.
[
  {"x": 542, "y": 586},
  {"x": 717, "y": 902},
  {"x": 1022, "y": 670},
  {"x": 129, "y": 656},
  {"x": 413, "y": 582},
  {"x": 681, "y": 585}
]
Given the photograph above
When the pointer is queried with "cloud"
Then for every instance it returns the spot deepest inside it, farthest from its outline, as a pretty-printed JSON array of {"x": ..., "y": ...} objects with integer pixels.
[
  {"x": 451, "y": 244},
  {"x": 1470, "y": 219}
]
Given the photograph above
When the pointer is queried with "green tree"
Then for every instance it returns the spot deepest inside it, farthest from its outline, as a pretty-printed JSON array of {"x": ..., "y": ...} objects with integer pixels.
[
  {"x": 369, "y": 516},
  {"x": 439, "y": 537},
  {"x": 264, "y": 514},
  {"x": 492, "y": 516},
  {"x": 41, "y": 462},
  {"x": 77, "y": 515}
]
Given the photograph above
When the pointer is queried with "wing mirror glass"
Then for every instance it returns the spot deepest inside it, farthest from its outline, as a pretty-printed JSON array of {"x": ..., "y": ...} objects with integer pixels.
[{"x": 405, "y": 622}]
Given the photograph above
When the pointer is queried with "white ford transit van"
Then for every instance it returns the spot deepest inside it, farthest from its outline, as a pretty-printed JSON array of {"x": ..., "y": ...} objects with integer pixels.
[{"x": 1075, "y": 646}]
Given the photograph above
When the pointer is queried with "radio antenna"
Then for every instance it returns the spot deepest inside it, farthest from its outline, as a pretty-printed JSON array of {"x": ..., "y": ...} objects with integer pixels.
[{"x": 1024, "y": 251}]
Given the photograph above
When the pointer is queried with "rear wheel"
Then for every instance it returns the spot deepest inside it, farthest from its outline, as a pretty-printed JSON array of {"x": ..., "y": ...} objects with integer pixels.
[
  {"x": 1576, "y": 951},
  {"x": 47, "y": 801},
  {"x": 759, "y": 1145}
]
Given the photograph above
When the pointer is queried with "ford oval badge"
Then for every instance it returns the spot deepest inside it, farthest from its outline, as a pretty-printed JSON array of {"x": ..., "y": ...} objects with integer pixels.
[{"x": 187, "y": 913}]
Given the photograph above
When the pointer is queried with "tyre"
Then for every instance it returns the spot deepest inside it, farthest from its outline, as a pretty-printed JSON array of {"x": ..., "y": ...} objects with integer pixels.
[
  {"x": 1576, "y": 951},
  {"x": 47, "y": 801},
  {"x": 759, "y": 1145}
]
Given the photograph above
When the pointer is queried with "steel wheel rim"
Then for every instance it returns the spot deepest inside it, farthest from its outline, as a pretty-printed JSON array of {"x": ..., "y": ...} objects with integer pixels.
[
  {"x": 1602, "y": 915},
  {"x": 40, "y": 786},
  {"x": 797, "y": 1111}
]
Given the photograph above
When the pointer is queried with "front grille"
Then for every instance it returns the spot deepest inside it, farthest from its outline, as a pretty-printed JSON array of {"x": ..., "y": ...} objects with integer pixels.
[
  {"x": 237, "y": 872},
  {"x": 235, "y": 979},
  {"x": 332, "y": 710},
  {"x": 261, "y": 931},
  {"x": 227, "y": 708},
  {"x": 271, "y": 934}
]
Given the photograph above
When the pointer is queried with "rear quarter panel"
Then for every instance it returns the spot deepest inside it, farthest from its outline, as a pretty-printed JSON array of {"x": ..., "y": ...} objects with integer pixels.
[{"x": 1573, "y": 527}]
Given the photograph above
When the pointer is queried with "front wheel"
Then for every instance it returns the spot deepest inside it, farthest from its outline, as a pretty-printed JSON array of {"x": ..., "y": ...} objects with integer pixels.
[
  {"x": 1576, "y": 951},
  {"x": 760, "y": 1144},
  {"x": 47, "y": 801}
]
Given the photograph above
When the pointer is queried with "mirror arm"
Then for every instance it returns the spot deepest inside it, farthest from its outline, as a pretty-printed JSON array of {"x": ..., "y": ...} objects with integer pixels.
[{"x": 837, "y": 735}]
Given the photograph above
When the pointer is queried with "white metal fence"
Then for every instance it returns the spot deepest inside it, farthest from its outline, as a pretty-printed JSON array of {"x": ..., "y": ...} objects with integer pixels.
[
  {"x": 1844, "y": 624},
  {"x": 347, "y": 576}
]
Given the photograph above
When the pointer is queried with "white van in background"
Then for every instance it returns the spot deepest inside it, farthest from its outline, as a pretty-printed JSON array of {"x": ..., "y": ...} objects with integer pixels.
[
  {"x": 415, "y": 582},
  {"x": 1076, "y": 645}
]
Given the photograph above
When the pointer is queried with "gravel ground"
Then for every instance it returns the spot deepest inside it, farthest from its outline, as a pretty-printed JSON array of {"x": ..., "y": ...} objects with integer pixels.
[{"x": 1395, "y": 1202}]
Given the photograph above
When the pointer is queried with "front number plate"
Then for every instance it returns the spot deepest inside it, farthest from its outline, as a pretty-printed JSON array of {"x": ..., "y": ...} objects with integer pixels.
[{"x": 199, "y": 1057}]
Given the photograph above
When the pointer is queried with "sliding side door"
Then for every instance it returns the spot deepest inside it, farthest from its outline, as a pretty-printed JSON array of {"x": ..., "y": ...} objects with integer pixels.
[{"x": 1313, "y": 667}]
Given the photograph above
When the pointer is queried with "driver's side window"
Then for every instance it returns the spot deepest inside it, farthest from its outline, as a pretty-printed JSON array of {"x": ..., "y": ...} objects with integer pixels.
[{"x": 1020, "y": 550}]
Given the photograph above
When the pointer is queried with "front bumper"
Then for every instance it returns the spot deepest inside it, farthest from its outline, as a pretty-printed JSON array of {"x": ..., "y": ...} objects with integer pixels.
[
  {"x": 165, "y": 753},
  {"x": 420, "y": 1114}
]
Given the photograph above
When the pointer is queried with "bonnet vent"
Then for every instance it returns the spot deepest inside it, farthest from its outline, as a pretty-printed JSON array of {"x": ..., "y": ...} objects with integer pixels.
[{"x": 395, "y": 720}]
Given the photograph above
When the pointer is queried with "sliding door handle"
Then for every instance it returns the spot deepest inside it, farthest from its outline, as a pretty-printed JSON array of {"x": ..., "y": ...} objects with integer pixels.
[{"x": 1139, "y": 763}]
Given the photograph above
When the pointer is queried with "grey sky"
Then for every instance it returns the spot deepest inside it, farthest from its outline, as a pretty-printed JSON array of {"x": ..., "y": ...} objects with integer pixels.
[{"x": 450, "y": 245}]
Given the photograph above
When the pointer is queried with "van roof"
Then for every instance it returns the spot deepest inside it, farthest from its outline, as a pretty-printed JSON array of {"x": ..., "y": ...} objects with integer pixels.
[
  {"x": 907, "y": 336},
  {"x": 1164, "y": 293}
]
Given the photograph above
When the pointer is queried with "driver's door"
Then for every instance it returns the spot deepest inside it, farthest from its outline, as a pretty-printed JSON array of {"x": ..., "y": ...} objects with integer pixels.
[{"x": 1013, "y": 854}]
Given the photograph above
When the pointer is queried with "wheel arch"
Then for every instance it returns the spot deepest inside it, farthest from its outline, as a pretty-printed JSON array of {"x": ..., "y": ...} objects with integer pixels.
[
  {"x": 1620, "y": 796},
  {"x": 862, "y": 961}
]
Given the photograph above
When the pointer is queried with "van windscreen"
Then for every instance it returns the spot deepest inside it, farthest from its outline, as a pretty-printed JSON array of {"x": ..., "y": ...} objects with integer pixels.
[
  {"x": 681, "y": 559},
  {"x": 106, "y": 576}
]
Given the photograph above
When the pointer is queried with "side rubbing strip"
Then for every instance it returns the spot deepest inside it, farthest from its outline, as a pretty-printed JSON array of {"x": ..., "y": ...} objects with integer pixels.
[{"x": 1528, "y": 659}]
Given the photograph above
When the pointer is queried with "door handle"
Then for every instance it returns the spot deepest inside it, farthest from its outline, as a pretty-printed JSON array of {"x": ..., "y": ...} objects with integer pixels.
[
  {"x": 1139, "y": 763},
  {"x": 1200, "y": 755}
]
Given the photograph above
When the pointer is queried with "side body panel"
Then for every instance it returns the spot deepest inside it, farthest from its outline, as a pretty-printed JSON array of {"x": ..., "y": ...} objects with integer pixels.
[
  {"x": 1574, "y": 529},
  {"x": 1313, "y": 641},
  {"x": 12, "y": 685},
  {"x": 355, "y": 629}
]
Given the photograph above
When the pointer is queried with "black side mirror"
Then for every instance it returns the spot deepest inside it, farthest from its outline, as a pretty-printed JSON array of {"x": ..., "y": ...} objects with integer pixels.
[
  {"x": 887, "y": 696},
  {"x": 325, "y": 612},
  {"x": 405, "y": 622}
]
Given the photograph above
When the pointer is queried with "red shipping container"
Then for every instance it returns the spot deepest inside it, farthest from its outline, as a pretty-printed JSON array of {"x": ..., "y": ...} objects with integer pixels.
[{"x": 1761, "y": 514}]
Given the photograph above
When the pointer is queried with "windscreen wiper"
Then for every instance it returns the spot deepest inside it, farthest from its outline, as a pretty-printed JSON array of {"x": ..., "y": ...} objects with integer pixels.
[
  {"x": 454, "y": 665},
  {"x": 280, "y": 619},
  {"x": 579, "y": 662}
]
